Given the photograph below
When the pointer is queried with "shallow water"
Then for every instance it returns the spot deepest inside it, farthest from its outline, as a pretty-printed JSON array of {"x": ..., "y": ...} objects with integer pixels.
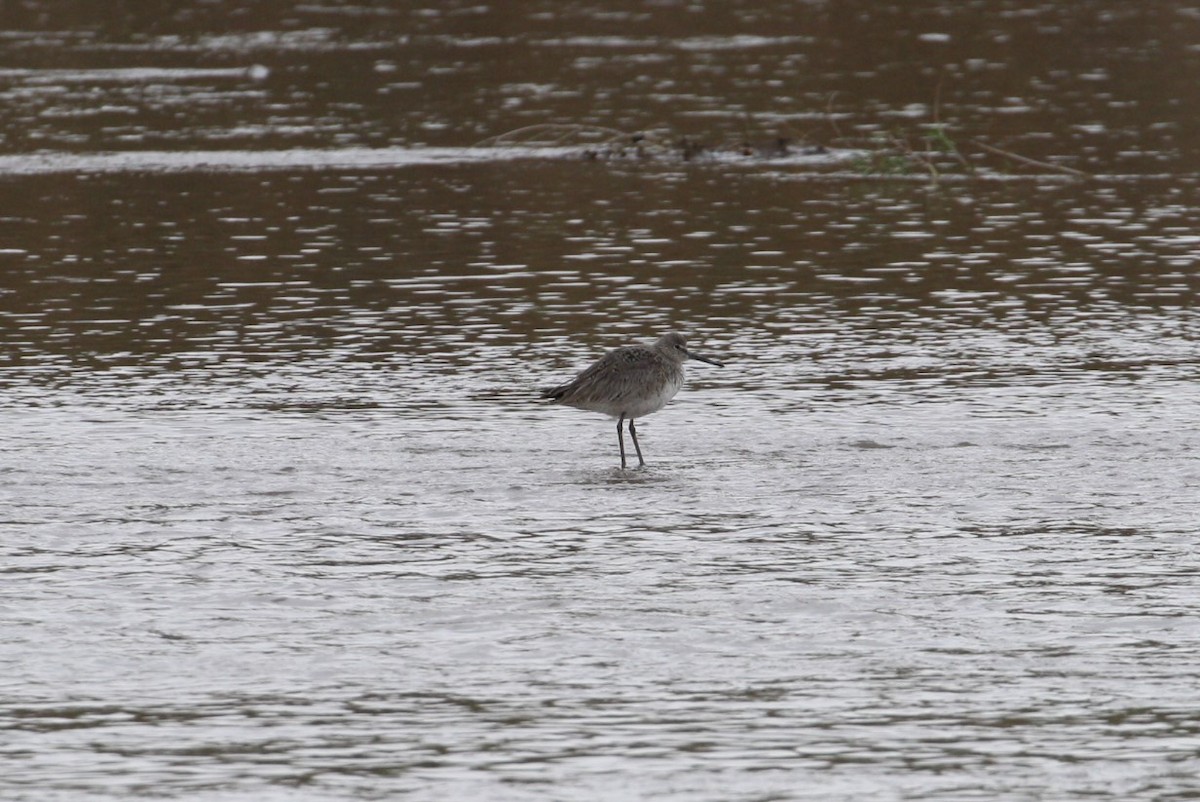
[{"x": 280, "y": 518}]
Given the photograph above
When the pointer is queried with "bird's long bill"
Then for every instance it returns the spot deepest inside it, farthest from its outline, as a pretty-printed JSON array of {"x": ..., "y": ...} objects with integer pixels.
[{"x": 694, "y": 355}]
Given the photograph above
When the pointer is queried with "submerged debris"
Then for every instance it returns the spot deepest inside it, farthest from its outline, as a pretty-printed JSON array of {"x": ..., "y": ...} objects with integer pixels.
[
  {"x": 597, "y": 143},
  {"x": 929, "y": 152}
]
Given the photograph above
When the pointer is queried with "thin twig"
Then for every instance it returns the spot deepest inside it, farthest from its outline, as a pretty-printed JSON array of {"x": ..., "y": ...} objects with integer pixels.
[
  {"x": 970, "y": 168},
  {"x": 1026, "y": 160},
  {"x": 937, "y": 100},
  {"x": 837, "y": 132},
  {"x": 906, "y": 150},
  {"x": 948, "y": 145},
  {"x": 557, "y": 131}
]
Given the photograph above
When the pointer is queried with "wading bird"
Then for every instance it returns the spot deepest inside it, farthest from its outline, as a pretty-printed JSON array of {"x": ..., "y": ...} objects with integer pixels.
[{"x": 629, "y": 382}]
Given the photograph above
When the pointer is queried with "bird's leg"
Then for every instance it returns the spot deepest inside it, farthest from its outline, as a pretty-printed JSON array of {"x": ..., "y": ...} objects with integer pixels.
[
  {"x": 633, "y": 433},
  {"x": 621, "y": 439}
]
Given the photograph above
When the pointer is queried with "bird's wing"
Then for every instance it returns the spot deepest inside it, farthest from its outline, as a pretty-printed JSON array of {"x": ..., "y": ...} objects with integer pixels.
[{"x": 618, "y": 376}]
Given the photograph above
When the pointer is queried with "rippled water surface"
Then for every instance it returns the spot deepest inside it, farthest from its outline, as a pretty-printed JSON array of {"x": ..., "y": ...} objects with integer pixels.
[{"x": 280, "y": 518}]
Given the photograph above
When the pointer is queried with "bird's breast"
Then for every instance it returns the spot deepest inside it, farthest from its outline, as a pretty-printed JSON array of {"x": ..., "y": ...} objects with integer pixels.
[{"x": 654, "y": 398}]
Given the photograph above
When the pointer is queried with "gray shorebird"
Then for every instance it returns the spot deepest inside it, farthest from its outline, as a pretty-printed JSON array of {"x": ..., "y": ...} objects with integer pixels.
[{"x": 629, "y": 382}]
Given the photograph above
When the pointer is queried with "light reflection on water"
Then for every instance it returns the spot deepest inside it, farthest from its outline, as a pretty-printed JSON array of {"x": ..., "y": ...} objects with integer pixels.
[
  {"x": 280, "y": 519},
  {"x": 370, "y": 601}
]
